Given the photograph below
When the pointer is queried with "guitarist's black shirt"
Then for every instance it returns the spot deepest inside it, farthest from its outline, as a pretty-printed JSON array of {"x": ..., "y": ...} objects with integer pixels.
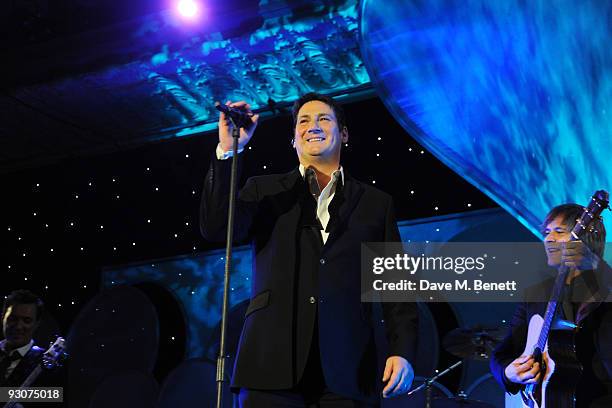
[{"x": 594, "y": 351}]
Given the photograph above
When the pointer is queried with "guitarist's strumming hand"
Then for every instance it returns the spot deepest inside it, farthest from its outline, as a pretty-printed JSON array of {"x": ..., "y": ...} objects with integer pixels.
[
  {"x": 578, "y": 257},
  {"x": 523, "y": 370},
  {"x": 226, "y": 140},
  {"x": 562, "y": 250}
]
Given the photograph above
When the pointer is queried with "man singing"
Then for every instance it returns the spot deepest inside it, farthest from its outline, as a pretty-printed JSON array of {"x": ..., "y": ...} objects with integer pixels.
[{"x": 307, "y": 339}]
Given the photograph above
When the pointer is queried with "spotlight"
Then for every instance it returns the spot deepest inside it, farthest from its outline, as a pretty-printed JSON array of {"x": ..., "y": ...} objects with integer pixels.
[{"x": 188, "y": 8}]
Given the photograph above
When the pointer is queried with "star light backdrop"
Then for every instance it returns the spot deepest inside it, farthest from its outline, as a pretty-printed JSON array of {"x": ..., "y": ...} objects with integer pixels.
[{"x": 64, "y": 223}]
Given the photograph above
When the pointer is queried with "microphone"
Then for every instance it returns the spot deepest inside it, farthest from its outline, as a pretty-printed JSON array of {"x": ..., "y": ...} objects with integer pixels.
[{"x": 241, "y": 117}]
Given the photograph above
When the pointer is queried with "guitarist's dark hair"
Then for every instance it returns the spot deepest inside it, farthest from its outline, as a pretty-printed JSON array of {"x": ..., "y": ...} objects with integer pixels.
[
  {"x": 595, "y": 239},
  {"x": 23, "y": 297}
]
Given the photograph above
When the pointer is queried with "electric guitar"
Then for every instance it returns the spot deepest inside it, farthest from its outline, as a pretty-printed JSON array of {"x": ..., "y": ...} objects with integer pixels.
[
  {"x": 51, "y": 358},
  {"x": 555, "y": 351}
]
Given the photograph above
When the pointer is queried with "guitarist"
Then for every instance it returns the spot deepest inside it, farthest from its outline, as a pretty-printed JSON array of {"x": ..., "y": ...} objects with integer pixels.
[
  {"x": 19, "y": 356},
  {"x": 593, "y": 317}
]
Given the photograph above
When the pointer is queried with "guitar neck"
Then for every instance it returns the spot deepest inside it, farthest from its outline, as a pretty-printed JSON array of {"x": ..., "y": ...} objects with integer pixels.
[
  {"x": 28, "y": 381},
  {"x": 599, "y": 201},
  {"x": 32, "y": 377},
  {"x": 551, "y": 308}
]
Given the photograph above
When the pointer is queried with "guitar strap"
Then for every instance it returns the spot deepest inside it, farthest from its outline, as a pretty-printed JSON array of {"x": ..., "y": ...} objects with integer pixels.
[
  {"x": 590, "y": 290},
  {"x": 567, "y": 305},
  {"x": 25, "y": 366},
  {"x": 5, "y": 362}
]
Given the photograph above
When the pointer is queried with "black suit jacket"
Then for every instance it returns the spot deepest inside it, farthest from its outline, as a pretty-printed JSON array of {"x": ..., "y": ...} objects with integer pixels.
[
  {"x": 23, "y": 369},
  {"x": 593, "y": 341},
  {"x": 268, "y": 212}
]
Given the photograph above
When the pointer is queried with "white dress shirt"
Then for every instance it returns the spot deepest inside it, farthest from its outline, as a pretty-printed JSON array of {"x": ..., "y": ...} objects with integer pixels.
[
  {"x": 326, "y": 197},
  {"x": 221, "y": 155}
]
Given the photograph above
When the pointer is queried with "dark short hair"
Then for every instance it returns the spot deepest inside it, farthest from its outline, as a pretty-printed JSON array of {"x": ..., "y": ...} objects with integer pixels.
[
  {"x": 313, "y": 96},
  {"x": 23, "y": 297},
  {"x": 594, "y": 238}
]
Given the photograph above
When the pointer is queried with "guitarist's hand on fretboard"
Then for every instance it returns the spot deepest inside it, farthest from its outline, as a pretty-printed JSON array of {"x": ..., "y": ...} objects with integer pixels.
[
  {"x": 577, "y": 256},
  {"x": 523, "y": 370}
]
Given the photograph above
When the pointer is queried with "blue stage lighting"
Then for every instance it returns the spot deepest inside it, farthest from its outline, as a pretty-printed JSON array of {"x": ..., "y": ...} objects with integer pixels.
[{"x": 188, "y": 8}]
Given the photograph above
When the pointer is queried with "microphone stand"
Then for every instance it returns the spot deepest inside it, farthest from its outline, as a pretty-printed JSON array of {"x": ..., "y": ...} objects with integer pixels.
[
  {"x": 429, "y": 381},
  {"x": 221, "y": 358}
]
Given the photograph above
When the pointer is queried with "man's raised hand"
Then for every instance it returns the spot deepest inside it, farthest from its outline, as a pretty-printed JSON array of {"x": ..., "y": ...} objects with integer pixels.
[{"x": 225, "y": 127}]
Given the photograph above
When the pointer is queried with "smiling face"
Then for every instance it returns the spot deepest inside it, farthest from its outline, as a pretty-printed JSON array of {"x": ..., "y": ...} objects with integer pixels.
[
  {"x": 317, "y": 137},
  {"x": 556, "y": 232},
  {"x": 19, "y": 323}
]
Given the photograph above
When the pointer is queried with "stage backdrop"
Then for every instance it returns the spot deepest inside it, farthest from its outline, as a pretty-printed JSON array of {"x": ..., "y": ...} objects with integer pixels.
[
  {"x": 195, "y": 282},
  {"x": 515, "y": 96}
]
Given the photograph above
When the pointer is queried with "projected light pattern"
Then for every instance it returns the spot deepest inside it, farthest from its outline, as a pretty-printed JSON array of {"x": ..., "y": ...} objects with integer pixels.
[
  {"x": 197, "y": 284},
  {"x": 159, "y": 79},
  {"x": 514, "y": 96},
  {"x": 278, "y": 62}
]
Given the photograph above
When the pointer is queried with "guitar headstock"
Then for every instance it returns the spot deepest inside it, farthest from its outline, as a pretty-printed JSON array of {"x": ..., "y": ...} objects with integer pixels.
[
  {"x": 55, "y": 355},
  {"x": 599, "y": 202}
]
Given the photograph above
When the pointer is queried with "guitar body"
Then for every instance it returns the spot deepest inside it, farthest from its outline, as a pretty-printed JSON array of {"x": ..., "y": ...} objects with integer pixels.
[{"x": 563, "y": 370}]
